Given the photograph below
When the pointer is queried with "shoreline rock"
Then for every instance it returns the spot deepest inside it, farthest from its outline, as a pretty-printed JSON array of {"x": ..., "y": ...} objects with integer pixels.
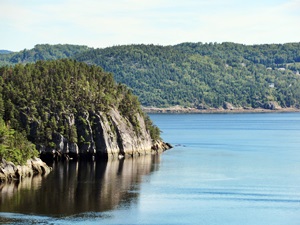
[
  {"x": 156, "y": 148},
  {"x": 181, "y": 109},
  {"x": 36, "y": 166},
  {"x": 10, "y": 171},
  {"x": 160, "y": 146}
]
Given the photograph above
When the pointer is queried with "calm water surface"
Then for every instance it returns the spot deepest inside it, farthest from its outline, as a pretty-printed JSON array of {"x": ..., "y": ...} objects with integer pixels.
[{"x": 224, "y": 169}]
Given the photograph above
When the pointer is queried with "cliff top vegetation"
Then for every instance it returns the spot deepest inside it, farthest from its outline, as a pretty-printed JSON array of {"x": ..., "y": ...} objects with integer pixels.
[{"x": 36, "y": 99}]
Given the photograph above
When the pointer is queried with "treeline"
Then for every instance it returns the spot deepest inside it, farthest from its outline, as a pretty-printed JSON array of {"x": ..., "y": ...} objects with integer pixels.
[
  {"x": 205, "y": 75},
  {"x": 269, "y": 55},
  {"x": 201, "y": 75},
  {"x": 41, "y": 52},
  {"x": 38, "y": 99}
]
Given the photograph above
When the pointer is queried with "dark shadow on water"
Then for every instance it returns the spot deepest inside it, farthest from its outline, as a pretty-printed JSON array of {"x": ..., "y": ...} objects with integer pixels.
[{"x": 79, "y": 187}]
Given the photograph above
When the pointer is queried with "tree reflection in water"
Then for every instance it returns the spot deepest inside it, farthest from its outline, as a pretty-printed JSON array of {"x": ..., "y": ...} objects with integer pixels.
[{"x": 77, "y": 187}]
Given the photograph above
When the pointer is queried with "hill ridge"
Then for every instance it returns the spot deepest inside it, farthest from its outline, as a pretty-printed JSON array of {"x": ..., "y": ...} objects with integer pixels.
[{"x": 208, "y": 75}]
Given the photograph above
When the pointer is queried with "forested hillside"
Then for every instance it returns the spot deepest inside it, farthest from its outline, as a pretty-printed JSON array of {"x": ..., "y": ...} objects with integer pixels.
[
  {"x": 41, "y": 52},
  {"x": 5, "y": 52},
  {"x": 57, "y": 103},
  {"x": 205, "y": 75},
  {"x": 196, "y": 74}
]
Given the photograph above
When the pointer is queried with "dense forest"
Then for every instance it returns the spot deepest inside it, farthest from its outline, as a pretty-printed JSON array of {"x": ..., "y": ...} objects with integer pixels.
[
  {"x": 195, "y": 74},
  {"x": 38, "y": 100},
  {"x": 205, "y": 75},
  {"x": 40, "y": 52}
]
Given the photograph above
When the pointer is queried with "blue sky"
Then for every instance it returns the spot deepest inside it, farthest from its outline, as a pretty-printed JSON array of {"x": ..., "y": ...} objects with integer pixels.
[{"x": 104, "y": 23}]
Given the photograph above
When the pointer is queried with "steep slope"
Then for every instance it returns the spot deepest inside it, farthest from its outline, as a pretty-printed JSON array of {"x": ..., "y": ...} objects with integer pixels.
[{"x": 70, "y": 108}]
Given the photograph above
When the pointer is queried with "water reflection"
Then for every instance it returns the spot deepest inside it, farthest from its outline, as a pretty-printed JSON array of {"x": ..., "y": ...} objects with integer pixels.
[{"x": 77, "y": 187}]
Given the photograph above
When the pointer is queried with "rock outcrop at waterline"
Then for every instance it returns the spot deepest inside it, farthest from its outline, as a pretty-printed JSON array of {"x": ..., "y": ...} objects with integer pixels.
[
  {"x": 10, "y": 171},
  {"x": 104, "y": 134}
]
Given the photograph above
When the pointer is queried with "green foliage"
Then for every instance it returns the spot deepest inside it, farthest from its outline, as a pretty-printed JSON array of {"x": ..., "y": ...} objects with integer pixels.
[
  {"x": 188, "y": 74},
  {"x": 41, "y": 52},
  {"x": 153, "y": 129},
  {"x": 193, "y": 74},
  {"x": 41, "y": 98},
  {"x": 14, "y": 146}
]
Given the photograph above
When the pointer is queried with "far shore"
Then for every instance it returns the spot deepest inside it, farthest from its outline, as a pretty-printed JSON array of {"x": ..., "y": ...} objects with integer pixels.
[{"x": 180, "y": 109}]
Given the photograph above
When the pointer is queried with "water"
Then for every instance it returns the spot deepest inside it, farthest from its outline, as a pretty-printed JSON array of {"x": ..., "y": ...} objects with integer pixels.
[{"x": 224, "y": 169}]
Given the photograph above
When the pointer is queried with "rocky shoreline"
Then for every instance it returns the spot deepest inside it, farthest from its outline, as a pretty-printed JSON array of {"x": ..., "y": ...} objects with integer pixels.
[
  {"x": 180, "y": 109},
  {"x": 11, "y": 172},
  {"x": 156, "y": 148}
]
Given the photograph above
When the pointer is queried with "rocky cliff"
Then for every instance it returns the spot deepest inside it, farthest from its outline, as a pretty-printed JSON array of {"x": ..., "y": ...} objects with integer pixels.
[
  {"x": 71, "y": 109},
  {"x": 103, "y": 135}
]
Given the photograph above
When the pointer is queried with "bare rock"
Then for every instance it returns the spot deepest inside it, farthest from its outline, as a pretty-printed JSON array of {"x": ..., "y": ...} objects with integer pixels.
[
  {"x": 108, "y": 134},
  {"x": 272, "y": 105},
  {"x": 39, "y": 167},
  {"x": 228, "y": 105},
  {"x": 9, "y": 171},
  {"x": 160, "y": 146}
]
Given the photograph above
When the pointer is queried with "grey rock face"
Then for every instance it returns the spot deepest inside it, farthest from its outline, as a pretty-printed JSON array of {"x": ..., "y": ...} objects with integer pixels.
[
  {"x": 60, "y": 142},
  {"x": 115, "y": 135},
  {"x": 73, "y": 148},
  {"x": 126, "y": 139},
  {"x": 109, "y": 134}
]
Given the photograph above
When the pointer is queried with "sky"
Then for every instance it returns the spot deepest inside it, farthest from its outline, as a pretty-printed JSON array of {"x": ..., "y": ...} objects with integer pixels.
[{"x": 105, "y": 23}]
